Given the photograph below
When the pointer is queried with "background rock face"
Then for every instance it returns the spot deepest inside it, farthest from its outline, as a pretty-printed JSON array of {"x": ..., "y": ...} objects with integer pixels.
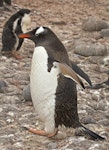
[
  {"x": 95, "y": 49},
  {"x": 65, "y": 18},
  {"x": 104, "y": 33},
  {"x": 94, "y": 24}
]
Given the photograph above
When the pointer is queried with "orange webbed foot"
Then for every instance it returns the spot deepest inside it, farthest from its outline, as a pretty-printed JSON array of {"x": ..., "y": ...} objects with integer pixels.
[{"x": 41, "y": 132}]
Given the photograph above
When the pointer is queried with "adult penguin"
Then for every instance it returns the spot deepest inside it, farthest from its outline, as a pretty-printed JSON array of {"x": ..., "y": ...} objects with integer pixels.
[
  {"x": 16, "y": 24},
  {"x": 53, "y": 84}
]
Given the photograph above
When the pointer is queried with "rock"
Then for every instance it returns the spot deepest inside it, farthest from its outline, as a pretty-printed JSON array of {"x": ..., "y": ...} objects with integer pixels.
[
  {"x": 3, "y": 58},
  {"x": 11, "y": 114},
  {"x": 58, "y": 22},
  {"x": 21, "y": 76},
  {"x": 104, "y": 33},
  {"x": 95, "y": 49},
  {"x": 94, "y": 24},
  {"x": 88, "y": 120},
  {"x": 27, "y": 94},
  {"x": 1, "y": 109},
  {"x": 18, "y": 144},
  {"x": 52, "y": 145},
  {"x": 107, "y": 8},
  {"x": 106, "y": 61},
  {"x": 97, "y": 35},
  {"x": 9, "y": 120},
  {"x": 94, "y": 146},
  {"x": 3, "y": 86},
  {"x": 104, "y": 122}
]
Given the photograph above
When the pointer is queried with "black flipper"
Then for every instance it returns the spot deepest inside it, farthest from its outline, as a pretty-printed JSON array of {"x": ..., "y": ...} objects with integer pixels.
[
  {"x": 91, "y": 134},
  {"x": 81, "y": 73}
]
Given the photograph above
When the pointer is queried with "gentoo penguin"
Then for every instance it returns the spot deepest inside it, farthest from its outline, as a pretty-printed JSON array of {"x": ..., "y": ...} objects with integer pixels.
[
  {"x": 53, "y": 84},
  {"x": 16, "y": 24}
]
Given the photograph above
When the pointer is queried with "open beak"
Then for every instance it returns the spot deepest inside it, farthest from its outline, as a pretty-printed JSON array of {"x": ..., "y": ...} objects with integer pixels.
[{"x": 24, "y": 35}]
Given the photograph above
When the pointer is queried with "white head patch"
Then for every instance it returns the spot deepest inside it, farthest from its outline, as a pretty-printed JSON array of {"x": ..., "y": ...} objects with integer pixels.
[{"x": 39, "y": 30}]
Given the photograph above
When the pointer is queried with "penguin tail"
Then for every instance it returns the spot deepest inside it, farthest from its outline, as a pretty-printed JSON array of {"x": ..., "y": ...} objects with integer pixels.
[{"x": 92, "y": 135}]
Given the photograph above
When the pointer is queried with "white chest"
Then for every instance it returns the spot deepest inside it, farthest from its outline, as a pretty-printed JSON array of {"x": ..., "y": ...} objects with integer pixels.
[
  {"x": 43, "y": 84},
  {"x": 25, "y": 23}
]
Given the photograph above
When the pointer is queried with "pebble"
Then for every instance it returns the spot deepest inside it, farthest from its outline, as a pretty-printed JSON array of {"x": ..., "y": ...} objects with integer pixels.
[
  {"x": 96, "y": 49},
  {"x": 9, "y": 121},
  {"x": 26, "y": 93},
  {"x": 52, "y": 145},
  {"x": 107, "y": 114},
  {"x": 21, "y": 76},
  {"x": 88, "y": 120},
  {"x": 3, "y": 58},
  {"x": 15, "y": 64},
  {"x": 107, "y": 8},
  {"x": 1, "y": 109},
  {"x": 3, "y": 86},
  {"x": 94, "y": 97},
  {"x": 104, "y": 33},
  {"x": 58, "y": 22},
  {"x": 106, "y": 61},
  {"x": 18, "y": 144},
  {"x": 97, "y": 35},
  {"x": 94, "y": 146},
  {"x": 104, "y": 122},
  {"x": 94, "y": 24},
  {"x": 11, "y": 114}
]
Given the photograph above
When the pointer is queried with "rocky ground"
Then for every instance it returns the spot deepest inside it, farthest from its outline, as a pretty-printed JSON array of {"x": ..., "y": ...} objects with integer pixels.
[{"x": 66, "y": 18}]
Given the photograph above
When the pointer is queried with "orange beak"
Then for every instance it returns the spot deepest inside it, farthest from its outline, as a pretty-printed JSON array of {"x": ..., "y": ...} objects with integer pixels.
[{"x": 24, "y": 35}]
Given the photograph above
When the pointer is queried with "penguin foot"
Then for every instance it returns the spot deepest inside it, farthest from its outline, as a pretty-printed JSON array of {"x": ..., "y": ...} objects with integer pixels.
[
  {"x": 41, "y": 132},
  {"x": 16, "y": 55}
]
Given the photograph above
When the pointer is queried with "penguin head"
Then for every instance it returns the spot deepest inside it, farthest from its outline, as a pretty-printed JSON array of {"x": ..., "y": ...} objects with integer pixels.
[
  {"x": 22, "y": 12},
  {"x": 39, "y": 35},
  {"x": 25, "y": 19}
]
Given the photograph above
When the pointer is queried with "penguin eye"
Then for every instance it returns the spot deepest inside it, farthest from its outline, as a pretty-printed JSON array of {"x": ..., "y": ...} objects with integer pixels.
[
  {"x": 55, "y": 66},
  {"x": 36, "y": 34}
]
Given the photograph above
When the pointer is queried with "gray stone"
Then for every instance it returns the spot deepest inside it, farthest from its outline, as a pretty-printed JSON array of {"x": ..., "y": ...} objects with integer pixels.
[
  {"x": 3, "y": 86},
  {"x": 88, "y": 120},
  {"x": 106, "y": 61},
  {"x": 96, "y": 49},
  {"x": 104, "y": 33},
  {"x": 52, "y": 145},
  {"x": 107, "y": 8},
  {"x": 27, "y": 94},
  {"x": 94, "y": 24}
]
